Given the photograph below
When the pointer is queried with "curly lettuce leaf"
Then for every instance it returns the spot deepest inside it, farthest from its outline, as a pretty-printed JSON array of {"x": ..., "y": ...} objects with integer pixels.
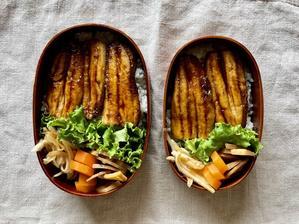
[
  {"x": 45, "y": 119},
  {"x": 221, "y": 134},
  {"x": 125, "y": 144}
]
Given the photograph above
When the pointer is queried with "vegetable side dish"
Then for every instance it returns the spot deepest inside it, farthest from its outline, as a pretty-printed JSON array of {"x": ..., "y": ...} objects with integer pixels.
[
  {"x": 91, "y": 126},
  {"x": 208, "y": 115}
]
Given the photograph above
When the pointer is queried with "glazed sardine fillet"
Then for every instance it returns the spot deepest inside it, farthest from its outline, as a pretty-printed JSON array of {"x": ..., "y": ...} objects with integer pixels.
[
  {"x": 94, "y": 78},
  {"x": 236, "y": 86},
  {"x": 227, "y": 78},
  {"x": 73, "y": 91},
  {"x": 192, "y": 109},
  {"x": 55, "y": 94},
  {"x": 121, "y": 103}
]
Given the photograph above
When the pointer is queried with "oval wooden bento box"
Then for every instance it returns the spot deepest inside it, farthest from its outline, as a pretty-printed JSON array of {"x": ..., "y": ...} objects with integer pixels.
[
  {"x": 40, "y": 87},
  {"x": 257, "y": 97}
]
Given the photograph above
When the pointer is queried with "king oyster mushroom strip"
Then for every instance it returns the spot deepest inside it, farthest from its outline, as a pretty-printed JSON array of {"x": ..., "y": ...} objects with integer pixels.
[{"x": 108, "y": 187}]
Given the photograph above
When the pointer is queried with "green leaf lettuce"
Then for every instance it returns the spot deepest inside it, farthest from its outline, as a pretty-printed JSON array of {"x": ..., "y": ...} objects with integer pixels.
[{"x": 221, "y": 134}]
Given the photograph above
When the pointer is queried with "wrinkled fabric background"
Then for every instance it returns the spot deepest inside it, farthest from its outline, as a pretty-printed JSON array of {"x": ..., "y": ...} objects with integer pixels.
[{"x": 270, "y": 30}]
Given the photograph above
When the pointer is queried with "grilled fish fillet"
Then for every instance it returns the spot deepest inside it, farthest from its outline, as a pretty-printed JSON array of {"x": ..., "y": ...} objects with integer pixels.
[
  {"x": 94, "y": 78},
  {"x": 183, "y": 102},
  {"x": 236, "y": 86},
  {"x": 219, "y": 91},
  {"x": 55, "y": 95},
  {"x": 129, "y": 99},
  {"x": 121, "y": 100},
  {"x": 176, "y": 114},
  {"x": 192, "y": 111},
  {"x": 201, "y": 90},
  {"x": 73, "y": 92}
]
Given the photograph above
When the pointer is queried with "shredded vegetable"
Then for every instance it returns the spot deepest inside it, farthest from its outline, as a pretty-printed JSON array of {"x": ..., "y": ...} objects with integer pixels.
[{"x": 60, "y": 152}]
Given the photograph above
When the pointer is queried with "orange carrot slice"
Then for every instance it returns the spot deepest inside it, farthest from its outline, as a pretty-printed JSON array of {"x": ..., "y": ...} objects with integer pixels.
[
  {"x": 81, "y": 168},
  {"x": 218, "y": 161},
  {"x": 215, "y": 183},
  {"x": 85, "y": 158},
  {"x": 215, "y": 171},
  {"x": 83, "y": 178},
  {"x": 85, "y": 188}
]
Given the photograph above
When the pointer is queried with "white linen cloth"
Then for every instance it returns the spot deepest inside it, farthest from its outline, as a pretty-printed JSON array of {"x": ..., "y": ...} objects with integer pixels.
[{"x": 270, "y": 30}]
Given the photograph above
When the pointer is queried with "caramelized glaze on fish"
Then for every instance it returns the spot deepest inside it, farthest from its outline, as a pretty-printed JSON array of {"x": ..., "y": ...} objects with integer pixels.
[
  {"x": 73, "y": 92},
  {"x": 94, "y": 78},
  {"x": 192, "y": 111},
  {"x": 227, "y": 78},
  {"x": 55, "y": 94},
  {"x": 121, "y": 100}
]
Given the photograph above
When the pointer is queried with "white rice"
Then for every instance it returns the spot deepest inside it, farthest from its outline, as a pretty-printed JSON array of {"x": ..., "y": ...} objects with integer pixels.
[
  {"x": 249, "y": 81},
  {"x": 141, "y": 85}
]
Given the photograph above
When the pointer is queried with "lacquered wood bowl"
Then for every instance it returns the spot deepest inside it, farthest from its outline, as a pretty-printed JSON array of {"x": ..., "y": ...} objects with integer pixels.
[
  {"x": 40, "y": 84},
  {"x": 218, "y": 42}
]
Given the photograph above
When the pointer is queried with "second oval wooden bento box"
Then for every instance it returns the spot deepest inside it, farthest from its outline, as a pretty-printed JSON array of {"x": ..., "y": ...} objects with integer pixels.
[
  {"x": 199, "y": 47},
  {"x": 83, "y": 33}
]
